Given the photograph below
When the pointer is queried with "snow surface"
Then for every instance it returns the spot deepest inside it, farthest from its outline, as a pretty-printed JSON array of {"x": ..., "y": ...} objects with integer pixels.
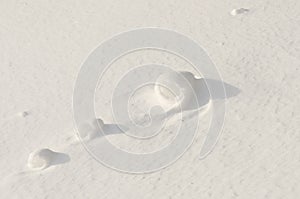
[{"x": 44, "y": 43}]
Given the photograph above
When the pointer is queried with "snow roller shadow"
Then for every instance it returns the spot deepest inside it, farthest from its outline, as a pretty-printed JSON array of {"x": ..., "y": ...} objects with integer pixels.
[
  {"x": 202, "y": 94},
  {"x": 110, "y": 129},
  {"x": 60, "y": 158}
]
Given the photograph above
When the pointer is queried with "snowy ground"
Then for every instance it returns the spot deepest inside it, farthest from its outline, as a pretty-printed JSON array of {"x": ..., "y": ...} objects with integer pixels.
[{"x": 256, "y": 49}]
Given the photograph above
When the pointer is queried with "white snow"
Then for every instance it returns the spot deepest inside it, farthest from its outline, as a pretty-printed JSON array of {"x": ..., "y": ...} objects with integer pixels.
[{"x": 255, "y": 45}]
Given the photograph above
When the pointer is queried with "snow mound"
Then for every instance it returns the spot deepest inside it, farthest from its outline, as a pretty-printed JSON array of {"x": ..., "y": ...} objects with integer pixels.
[
  {"x": 90, "y": 130},
  {"x": 41, "y": 159},
  {"x": 176, "y": 88},
  {"x": 23, "y": 114},
  {"x": 239, "y": 11}
]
